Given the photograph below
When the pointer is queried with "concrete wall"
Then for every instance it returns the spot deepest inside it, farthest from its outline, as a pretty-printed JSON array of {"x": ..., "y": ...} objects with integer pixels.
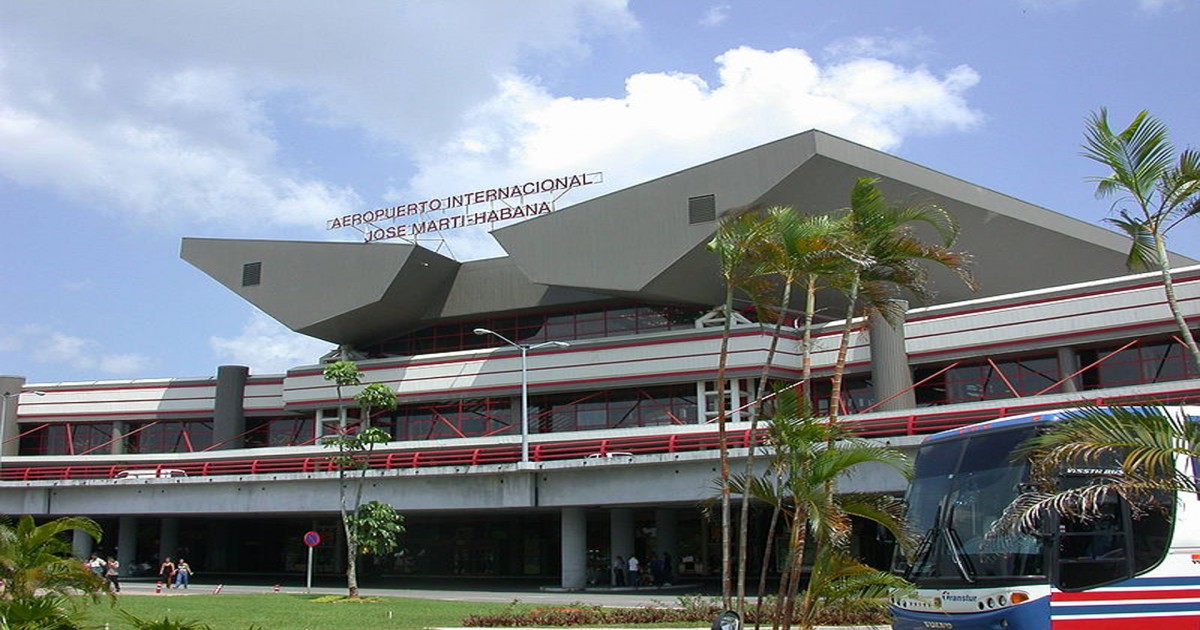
[{"x": 661, "y": 480}]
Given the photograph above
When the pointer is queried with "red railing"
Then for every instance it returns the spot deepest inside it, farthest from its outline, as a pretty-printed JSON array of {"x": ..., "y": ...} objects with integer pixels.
[{"x": 917, "y": 422}]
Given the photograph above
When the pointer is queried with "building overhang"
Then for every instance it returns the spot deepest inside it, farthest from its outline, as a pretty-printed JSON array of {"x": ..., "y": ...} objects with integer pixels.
[{"x": 647, "y": 243}]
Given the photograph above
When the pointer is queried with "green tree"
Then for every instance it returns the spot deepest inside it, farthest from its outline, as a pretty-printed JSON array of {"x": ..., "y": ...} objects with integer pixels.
[
  {"x": 364, "y": 528},
  {"x": 39, "y": 573},
  {"x": 887, "y": 254},
  {"x": 1153, "y": 445},
  {"x": 795, "y": 249},
  {"x": 810, "y": 456},
  {"x": 736, "y": 244},
  {"x": 1164, "y": 191}
]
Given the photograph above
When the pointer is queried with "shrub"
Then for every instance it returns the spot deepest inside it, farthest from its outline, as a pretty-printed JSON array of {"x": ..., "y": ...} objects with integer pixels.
[{"x": 692, "y": 609}]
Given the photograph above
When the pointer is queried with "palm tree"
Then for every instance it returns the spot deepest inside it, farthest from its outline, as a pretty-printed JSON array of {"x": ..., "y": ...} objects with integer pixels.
[
  {"x": 1154, "y": 446},
  {"x": 40, "y": 575},
  {"x": 811, "y": 455},
  {"x": 1164, "y": 191},
  {"x": 838, "y": 579},
  {"x": 887, "y": 254},
  {"x": 794, "y": 248},
  {"x": 37, "y": 559},
  {"x": 736, "y": 244}
]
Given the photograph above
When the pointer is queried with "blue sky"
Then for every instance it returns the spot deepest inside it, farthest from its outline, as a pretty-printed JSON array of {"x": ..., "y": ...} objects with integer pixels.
[{"x": 126, "y": 126}]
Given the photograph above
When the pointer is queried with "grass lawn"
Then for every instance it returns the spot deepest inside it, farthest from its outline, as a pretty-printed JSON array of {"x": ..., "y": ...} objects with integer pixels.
[{"x": 289, "y": 612}]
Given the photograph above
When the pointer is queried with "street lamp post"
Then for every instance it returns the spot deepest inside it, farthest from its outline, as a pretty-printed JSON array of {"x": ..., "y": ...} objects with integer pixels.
[{"x": 524, "y": 348}]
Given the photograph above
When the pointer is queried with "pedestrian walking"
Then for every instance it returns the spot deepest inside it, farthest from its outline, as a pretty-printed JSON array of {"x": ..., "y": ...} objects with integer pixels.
[
  {"x": 166, "y": 572},
  {"x": 618, "y": 569},
  {"x": 112, "y": 572},
  {"x": 183, "y": 574}
]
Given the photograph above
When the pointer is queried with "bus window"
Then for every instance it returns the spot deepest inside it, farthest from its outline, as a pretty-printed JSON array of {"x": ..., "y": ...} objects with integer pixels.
[
  {"x": 1096, "y": 552},
  {"x": 1093, "y": 552},
  {"x": 1152, "y": 532}
]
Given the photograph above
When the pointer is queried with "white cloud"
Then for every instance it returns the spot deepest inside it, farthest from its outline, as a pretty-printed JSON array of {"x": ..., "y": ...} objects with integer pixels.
[
  {"x": 58, "y": 348},
  {"x": 668, "y": 121},
  {"x": 715, "y": 15},
  {"x": 268, "y": 347},
  {"x": 1153, "y": 6},
  {"x": 876, "y": 46},
  {"x": 169, "y": 111},
  {"x": 1147, "y": 6},
  {"x": 124, "y": 364}
]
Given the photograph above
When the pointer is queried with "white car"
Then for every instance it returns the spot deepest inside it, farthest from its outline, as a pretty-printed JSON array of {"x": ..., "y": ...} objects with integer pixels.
[{"x": 150, "y": 473}]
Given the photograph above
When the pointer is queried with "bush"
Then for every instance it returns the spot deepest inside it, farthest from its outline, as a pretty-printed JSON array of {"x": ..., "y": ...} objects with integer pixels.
[
  {"x": 584, "y": 615},
  {"x": 166, "y": 623},
  {"x": 688, "y": 610}
]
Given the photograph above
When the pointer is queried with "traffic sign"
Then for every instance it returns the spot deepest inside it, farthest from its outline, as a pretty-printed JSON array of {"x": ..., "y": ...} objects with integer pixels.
[{"x": 312, "y": 539}]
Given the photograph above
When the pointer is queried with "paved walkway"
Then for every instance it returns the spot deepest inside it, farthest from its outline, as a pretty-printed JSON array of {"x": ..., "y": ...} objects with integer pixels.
[{"x": 467, "y": 591}]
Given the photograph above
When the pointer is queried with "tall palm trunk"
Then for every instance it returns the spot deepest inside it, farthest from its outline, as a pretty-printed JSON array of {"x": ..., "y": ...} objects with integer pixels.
[
  {"x": 796, "y": 546},
  {"x": 723, "y": 445},
  {"x": 755, "y": 414},
  {"x": 1164, "y": 266},
  {"x": 839, "y": 367},
  {"x": 776, "y": 511}
]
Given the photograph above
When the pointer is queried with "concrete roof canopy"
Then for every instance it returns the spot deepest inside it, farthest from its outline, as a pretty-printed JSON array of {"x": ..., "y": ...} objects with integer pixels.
[{"x": 647, "y": 242}]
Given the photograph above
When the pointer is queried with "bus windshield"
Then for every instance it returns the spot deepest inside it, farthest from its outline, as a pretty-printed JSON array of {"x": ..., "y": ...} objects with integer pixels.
[{"x": 960, "y": 488}]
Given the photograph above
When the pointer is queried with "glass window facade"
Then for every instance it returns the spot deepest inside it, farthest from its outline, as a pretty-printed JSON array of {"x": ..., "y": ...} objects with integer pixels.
[
  {"x": 567, "y": 325},
  {"x": 554, "y": 413},
  {"x": 287, "y": 431},
  {"x": 1151, "y": 362},
  {"x": 1002, "y": 378},
  {"x": 87, "y": 438}
]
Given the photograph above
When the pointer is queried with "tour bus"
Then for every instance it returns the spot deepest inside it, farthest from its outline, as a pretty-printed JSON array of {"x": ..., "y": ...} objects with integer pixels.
[{"x": 1114, "y": 571}]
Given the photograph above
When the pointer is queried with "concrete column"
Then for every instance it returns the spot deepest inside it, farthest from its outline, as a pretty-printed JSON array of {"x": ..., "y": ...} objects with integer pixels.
[
  {"x": 10, "y": 392},
  {"x": 890, "y": 373},
  {"x": 216, "y": 552},
  {"x": 620, "y": 532},
  {"x": 126, "y": 543},
  {"x": 229, "y": 413},
  {"x": 574, "y": 548},
  {"x": 118, "y": 444},
  {"x": 1068, "y": 363},
  {"x": 81, "y": 543},
  {"x": 168, "y": 538},
  {"x": 667, "y": 541}
]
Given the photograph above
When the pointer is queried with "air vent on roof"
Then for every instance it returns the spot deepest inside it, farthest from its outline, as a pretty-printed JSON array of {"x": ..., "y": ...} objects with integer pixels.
[
  {"x": 702, "y": 209},
  {"x": 251, "y": 274}
]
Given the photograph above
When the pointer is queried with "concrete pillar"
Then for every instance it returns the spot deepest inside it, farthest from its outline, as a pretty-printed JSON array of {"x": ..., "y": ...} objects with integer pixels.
[
  {"x": 890, "y": 373},
  {"x": 667, "y": 540},
  {"x": 81, "y": 543},
  {"x": 229, "y": 412},
  {"x": 1068, "y": 363},
  {"x": 168, "y": 538},
  {"x": 10, "y": 392},
  {"x": 216, "y": 551},
  {"x": 118, "y": 442},
  {"x": 574, "y": 548},
  {"x": 620, "y": 532},
  {"x": 126, "y": 543}
]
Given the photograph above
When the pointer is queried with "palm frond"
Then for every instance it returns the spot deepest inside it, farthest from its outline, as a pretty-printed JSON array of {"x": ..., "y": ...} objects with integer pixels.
[{"x": 1143, "y": 255}]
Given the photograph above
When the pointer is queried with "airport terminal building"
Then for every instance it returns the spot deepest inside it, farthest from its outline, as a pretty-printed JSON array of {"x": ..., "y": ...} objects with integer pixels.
[{"x": 613, "y": 306}]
